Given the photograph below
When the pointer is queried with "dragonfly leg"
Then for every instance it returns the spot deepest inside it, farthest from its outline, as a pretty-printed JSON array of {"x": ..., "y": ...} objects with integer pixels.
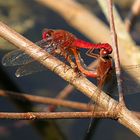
[
  {"x": 91, "y": 54},
  {"x": 67, "y": 56},
  {"x": 72, "y": 64},
  {"x": 81, "y": 65}
]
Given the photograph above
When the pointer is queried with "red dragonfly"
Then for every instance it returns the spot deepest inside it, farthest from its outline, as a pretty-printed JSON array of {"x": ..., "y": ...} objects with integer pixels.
[
  {"x": 61, "y": 42},
  {"x": 55, "y": 42}
]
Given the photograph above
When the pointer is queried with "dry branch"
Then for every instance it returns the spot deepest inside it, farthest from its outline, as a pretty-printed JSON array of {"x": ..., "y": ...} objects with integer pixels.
[
  {"x": 115, "y": 51},
  {"x": 45, "y": 100},
  {"x": 56, "y": 115}
]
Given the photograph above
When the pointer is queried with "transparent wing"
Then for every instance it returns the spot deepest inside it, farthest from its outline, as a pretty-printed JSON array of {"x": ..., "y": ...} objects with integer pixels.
[
  {"x": 130, "y": 67},
  {"x": 29, "y": 68},
  {"x": 18, "y": 57},
  {"x": 130, "y": 85},
  {"x": 28, "y": 65}
]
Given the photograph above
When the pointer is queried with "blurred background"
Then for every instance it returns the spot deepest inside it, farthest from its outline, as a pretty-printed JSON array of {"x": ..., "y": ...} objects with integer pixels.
[{"x": 29, "y": 18}]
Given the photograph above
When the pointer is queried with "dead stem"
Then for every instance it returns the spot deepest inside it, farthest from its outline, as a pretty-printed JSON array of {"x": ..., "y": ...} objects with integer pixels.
[
  {"x": 116, "y": 52},
  {"x": 56, "y": 115},
  {"x": 45, "y": 100}
]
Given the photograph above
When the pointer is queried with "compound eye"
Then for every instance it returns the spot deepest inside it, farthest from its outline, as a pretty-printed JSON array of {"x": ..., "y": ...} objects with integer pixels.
[
  {"x": 103, "y": 52},
  {"x": 47, "y": 34}
]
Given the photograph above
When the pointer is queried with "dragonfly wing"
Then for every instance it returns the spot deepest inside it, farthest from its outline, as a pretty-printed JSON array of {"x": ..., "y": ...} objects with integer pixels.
[
  {"x": 134, "y": 70},
  {"x": 29, "y": 68},
  {"x": 129, "y": 84},
  {"x": 15, "y": 58},
  {"x": 131, "y": 67},
  {"x": 131, "y": 88},
  {"x": 18, "y": 57}
]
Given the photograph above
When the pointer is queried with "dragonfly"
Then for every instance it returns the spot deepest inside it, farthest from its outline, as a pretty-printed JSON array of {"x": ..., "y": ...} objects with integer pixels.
[
  {"x": 56, "y": 42},
  {"x": 106, "y": 74},
  {"x": 105, "y": 71},
  {"x": 65, "y": 44}
]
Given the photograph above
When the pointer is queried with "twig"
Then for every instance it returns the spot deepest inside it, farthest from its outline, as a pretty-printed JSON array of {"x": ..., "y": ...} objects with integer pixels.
[
  {"x": 45, "y": 100},
  {"x": 116, "y": 52},
  {"x": 56, "y": 115},
  {"x": 125, "y": 117}
]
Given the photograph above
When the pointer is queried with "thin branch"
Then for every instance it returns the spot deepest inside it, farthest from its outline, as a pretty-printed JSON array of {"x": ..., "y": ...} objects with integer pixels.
[
  {"x": 116, "y": 52},
  {"x": 125, "y": 116},
  {"x": 45, "y": 100},
  {"x": 56, "y": 115}
]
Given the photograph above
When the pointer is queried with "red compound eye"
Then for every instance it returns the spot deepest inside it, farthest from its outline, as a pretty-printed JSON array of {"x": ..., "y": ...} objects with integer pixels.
[
  {"x": 47, "y": 34},
  {"x": 103, "y": 52}
]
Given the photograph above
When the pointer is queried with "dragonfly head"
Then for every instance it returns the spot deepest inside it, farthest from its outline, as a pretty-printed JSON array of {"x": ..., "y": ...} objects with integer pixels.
[
  {"x": 47, "y": 34},
  {"x": 104, "y": 52}
]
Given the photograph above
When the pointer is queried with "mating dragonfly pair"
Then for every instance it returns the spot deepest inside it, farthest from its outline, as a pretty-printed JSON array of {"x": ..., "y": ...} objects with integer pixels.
[{"x": 63, "y": 43}]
